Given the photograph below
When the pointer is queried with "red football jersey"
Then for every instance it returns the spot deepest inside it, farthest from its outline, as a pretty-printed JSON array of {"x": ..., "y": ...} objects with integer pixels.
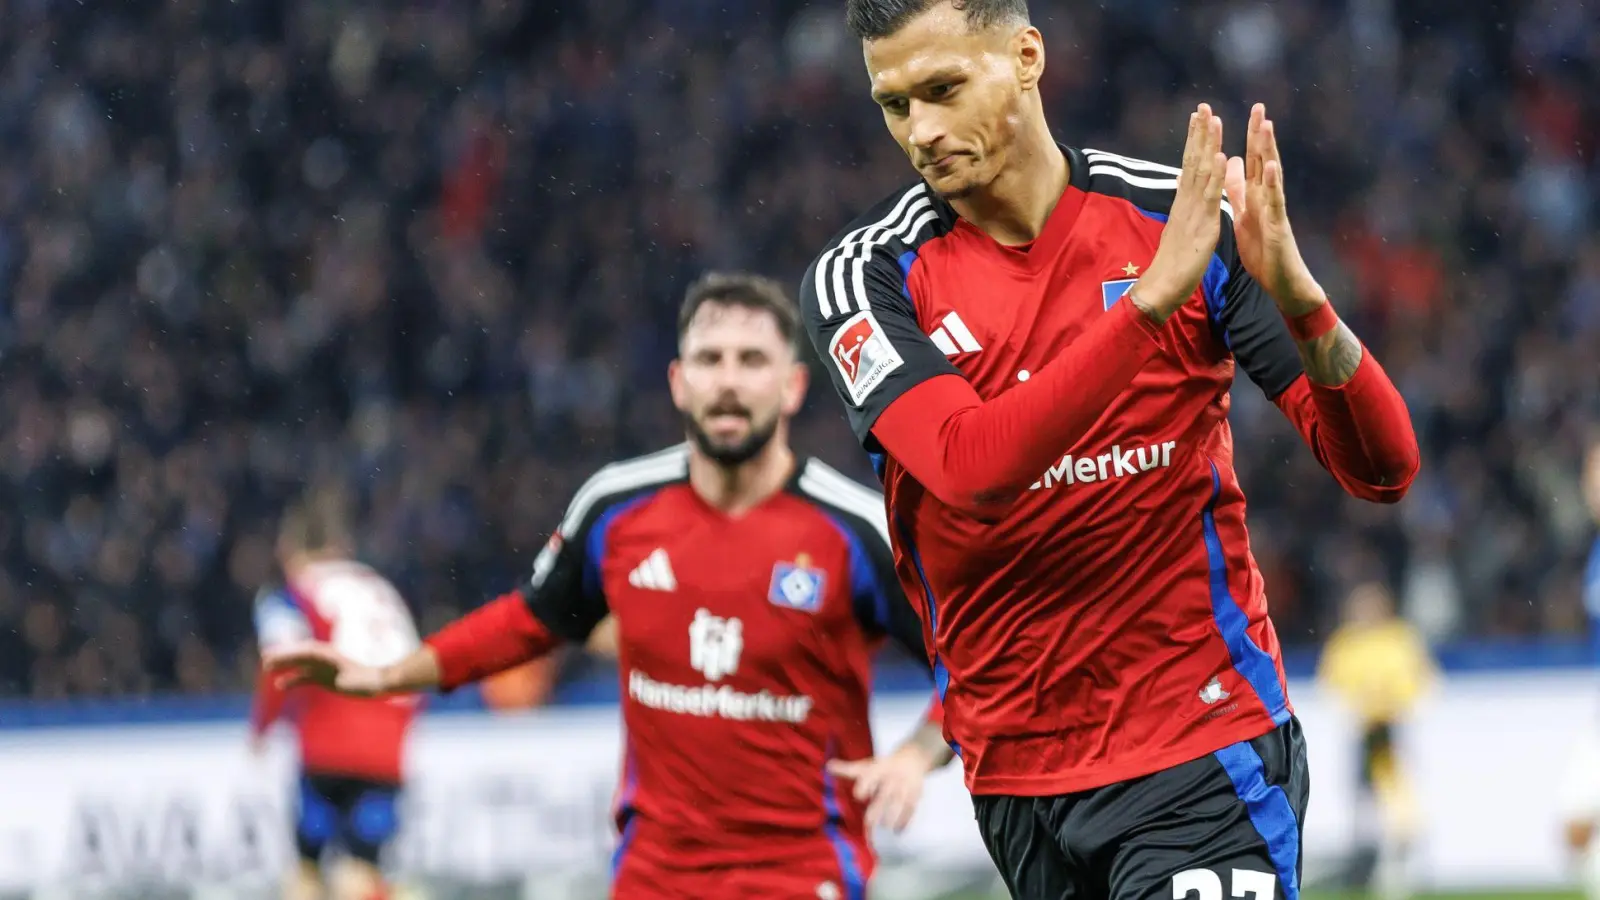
[
  {"x": 360, "y": 613},
  {"x": 745, "y": 657},
  {"x": 1113, "y": 623}
]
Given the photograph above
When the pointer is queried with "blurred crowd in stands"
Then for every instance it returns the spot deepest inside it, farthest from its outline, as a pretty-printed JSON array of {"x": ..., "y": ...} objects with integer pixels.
[{"x": 433, "y": 250}]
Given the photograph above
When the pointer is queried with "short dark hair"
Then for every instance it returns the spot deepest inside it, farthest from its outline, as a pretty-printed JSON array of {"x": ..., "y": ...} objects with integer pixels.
[
  {"x": 870, "y": 20},
  {"x": 745, "y": 289},
  {"x": 318, "y": 522}
]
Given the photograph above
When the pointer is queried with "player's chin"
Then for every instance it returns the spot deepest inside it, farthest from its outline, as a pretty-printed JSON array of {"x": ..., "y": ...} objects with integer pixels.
[
  {"x": 951, "y": 185},
  {"x": 725, "y": 440},
  {"x": 726, "y": 432}
]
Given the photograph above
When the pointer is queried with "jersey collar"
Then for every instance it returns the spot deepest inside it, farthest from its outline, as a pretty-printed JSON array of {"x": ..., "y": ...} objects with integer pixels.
[{"x": 1037, "y": 255}]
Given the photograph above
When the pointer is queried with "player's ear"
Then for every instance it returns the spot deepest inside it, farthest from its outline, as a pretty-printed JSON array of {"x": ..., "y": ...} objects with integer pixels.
[
  {"x": 1028, "y": 49},
  {"x": 675, "y": 383},
  {"x": 794, "y": 388}
]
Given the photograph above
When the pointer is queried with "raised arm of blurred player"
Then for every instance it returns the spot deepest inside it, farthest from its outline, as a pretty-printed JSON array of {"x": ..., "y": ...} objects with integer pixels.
[
  {"x": 890, "y": 785},
  {"x": 279, "y": 623},
  {"x": 975, "y": 455},
  {"x": 1317, "y": 372},
  {"x": 562, "y": 601}
]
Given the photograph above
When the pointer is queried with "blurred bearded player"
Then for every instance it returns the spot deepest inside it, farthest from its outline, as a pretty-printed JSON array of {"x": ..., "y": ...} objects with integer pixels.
[
  {"x": 748, "y": 590},
  {"x": 1037, "y": 344}
]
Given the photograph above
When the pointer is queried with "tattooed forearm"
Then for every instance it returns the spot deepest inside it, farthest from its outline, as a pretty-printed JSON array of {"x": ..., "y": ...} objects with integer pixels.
[{"x": 1331, "y": 360}]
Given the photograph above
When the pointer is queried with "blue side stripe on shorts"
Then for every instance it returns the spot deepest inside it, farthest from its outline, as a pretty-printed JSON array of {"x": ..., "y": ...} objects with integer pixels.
[
  {"x": 317, "y": 821},
  {"x": 375, "y": 818},
  {"x": 1269, "y": 810}
]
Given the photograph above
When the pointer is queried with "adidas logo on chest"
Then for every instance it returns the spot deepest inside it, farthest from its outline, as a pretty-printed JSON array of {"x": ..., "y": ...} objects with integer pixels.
[
  {"x": 953, "y": 337},
  {"x": 655, "y": 573}
]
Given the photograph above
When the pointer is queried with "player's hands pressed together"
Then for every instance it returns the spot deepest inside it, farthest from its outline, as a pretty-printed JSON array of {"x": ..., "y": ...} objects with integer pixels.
[
  {"x": 317, "y": 663},
  {"x": 1268, "y": 251},
  {"x": 1261, "y": 230},
  {"x": 1189, "y": 238}
]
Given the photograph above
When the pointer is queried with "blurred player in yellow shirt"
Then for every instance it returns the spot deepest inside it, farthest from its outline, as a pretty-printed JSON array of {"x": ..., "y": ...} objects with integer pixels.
[{"x": 1379, "y": 667}]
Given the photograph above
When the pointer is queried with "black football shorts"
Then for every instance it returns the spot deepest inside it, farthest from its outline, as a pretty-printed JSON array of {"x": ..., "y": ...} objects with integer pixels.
[
  {"x": 358, "y": 815},
  {"x": 1228, "y": 825}
]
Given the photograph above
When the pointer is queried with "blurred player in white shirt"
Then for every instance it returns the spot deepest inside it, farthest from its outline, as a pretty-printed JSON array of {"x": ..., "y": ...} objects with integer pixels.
[{"x": 351, "y": 749}]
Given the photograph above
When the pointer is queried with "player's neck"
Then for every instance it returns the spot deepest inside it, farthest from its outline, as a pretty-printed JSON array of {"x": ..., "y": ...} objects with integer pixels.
[
  {"x": 1014, "y": 208},
  {"x": 296, "y": 563},
  {"x": 735, "y": 490}
]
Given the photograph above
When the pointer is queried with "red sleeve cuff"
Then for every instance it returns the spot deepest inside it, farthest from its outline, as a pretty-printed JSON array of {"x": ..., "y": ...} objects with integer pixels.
[
  {"x": 500, "y": 634},
  {"x": 1147, "y": 325},
  {"x": 1368, "y": 377},
  {"x": 1314, "y": 324}
]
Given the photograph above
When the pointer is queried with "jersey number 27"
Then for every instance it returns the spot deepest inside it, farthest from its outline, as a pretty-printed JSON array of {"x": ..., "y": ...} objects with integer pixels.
[{"x": 1204, "y": 884}]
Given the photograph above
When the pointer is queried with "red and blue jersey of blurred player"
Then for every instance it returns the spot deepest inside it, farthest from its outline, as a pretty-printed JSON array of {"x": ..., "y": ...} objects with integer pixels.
[
  {"x": 745, "y": 647},
  {"x": 353, "y": 608}
]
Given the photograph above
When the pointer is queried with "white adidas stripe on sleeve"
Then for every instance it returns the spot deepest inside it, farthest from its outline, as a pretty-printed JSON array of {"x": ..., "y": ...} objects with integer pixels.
[
  {"x": 1157, "y": 177},
  {"x": 830, "y": 486},
  {"x": 657, "y": 468},
  {"x": 830, "y": 269},
  {"x": 840, "y": 277}
]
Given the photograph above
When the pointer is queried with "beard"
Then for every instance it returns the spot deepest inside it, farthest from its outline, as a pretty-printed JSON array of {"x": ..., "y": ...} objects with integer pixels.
[{"x": 738, "y": 452}]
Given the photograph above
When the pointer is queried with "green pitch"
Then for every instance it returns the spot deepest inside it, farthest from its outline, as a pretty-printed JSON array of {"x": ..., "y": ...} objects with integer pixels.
[
  {"x": 1334, "y": 895},
  {"x": 1481, "y": 895}
]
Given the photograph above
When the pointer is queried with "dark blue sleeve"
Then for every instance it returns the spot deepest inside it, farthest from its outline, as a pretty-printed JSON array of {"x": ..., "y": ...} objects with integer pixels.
[
  {"x": 1256, "y": 335},
  {"x": 869, "y": 341},
  {"x": 1248, "y": 320},
  {"x": 565, "y": 592},
  {"x": 880, "y": 605}
]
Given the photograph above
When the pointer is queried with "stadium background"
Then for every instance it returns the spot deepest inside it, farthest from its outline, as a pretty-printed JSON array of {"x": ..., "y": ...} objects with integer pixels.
[{"x": 433, "y": 250}]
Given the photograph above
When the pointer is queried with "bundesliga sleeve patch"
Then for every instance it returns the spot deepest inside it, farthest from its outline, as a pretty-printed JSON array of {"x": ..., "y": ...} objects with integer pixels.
[{"x": 863, "y": 354}]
